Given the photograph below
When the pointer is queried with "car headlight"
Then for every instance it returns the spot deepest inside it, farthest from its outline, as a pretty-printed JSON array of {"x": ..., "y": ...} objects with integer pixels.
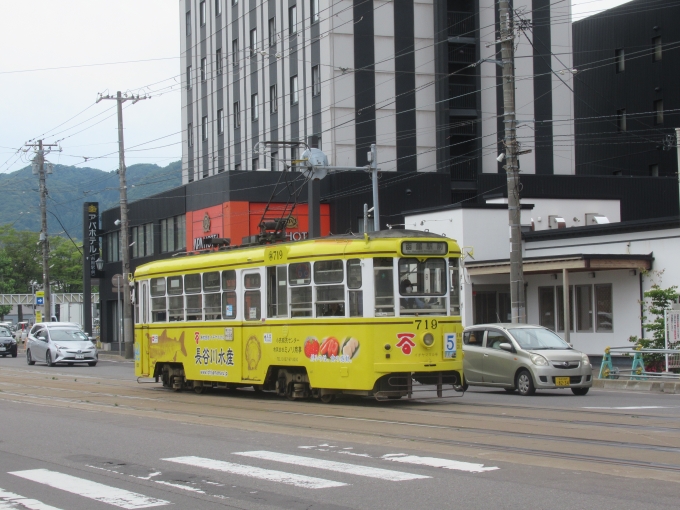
[
  {"x": 585, "y": 359},
  {"x": 60, "y": 347},
  {"x": 539, "y": 360}
]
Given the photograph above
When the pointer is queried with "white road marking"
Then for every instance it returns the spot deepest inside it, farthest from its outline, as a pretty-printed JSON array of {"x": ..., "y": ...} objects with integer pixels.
[
  {"x": 439, "y": 463},
  {"x": 271, "y": 475},
  {"x": 340, "y": 467},
  {"x": 633, "y": 407},
  {"x": 92, "y": 490},
  {"x": 11, "y": 501}
]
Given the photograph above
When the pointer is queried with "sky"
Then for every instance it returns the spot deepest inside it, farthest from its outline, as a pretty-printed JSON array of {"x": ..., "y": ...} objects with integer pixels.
[{"x": 57, "y": 55}]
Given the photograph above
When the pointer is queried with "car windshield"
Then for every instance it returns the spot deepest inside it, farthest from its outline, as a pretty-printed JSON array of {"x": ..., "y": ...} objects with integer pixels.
[
  {"x": 67, "y": 335},
  {"x": 537, "y": 339},
  {"x": 5, "y": 332}
]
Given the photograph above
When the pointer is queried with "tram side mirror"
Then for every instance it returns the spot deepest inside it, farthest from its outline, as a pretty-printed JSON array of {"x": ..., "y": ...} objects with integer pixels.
[{"x": 506, "y": 346}]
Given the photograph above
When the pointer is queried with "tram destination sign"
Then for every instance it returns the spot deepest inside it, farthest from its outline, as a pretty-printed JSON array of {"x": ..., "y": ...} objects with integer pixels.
[{"x": 427, "y": 248}]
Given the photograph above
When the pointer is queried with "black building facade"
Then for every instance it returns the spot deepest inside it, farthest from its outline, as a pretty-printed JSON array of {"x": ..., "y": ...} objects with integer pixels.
[{"x": 626, "y": 89}]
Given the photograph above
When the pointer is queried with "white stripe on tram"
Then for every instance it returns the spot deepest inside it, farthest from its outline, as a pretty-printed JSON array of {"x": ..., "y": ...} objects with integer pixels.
[
  {"x": 92, "y": 490},
  {"x": 11, "y": 501},
  {"x": 340, "y": 467},
  {"x": 439, "y": 463},
  {"x": 306, "y": 482}
]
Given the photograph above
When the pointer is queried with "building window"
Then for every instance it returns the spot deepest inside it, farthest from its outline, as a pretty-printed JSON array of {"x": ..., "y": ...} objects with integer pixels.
[
  {"x": 142, "y": 240},
  {"x": 621, "y": 120},
  {"x": 237, "y": 167},
  {"x": 234, "y": 52},
  {"x": 316, "y": 80},
  {"x": 189, "y": 80},
  {"x": 658, "y": 111},
  {"x": 234, "y": 2},
  {"x": 202, "y": 11},
  {"x": 620, "y": 61},
  {"x": 218, "y": 7},
  {"x": 190, "y": 135},
  {"x": 254, "y": 107},
  {"x": 292, "y": 20},
  {"x": 293, "y": 89},
  {"x": 314, "y": 8},
  {"x": 253, "y": 42},
  {"x": 188, "y": 20},
  {"x": 654, "y": 170},
  {"x": 275, "y": 160},
  {"x": 272, "y": 32},
  {"x": 658, "y": 49},
  {"x": 204, "y": 128},
  {"x": 584, "y": 307},
  {"x": 603, "y": 308},
  {"x": 256, "y": 163},
  {"x": 273, "y": 99},
  {"x": 546, "y": 307},
  {"x": 113, "y": 247},
  {"x": 237, "y": 115},
  {"x": 173, "y": 234},
  {"x": 218, "y": 61},
  {"x": 220, "y": 121},
  {"x": 204, "y": 64}
]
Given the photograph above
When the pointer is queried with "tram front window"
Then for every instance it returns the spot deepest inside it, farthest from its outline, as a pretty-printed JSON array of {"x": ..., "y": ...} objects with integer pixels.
[{"x": 422, "y": 286}]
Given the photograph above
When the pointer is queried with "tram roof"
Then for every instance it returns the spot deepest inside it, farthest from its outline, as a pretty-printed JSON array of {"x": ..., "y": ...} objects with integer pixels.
[{"x": 380, "y": 243}]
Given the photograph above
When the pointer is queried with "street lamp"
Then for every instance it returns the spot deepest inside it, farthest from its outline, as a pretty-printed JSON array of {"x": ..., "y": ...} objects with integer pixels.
[{"x": 99, "y": 263}]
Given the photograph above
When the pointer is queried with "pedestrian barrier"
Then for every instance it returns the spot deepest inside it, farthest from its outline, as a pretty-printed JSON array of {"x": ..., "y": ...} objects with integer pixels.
[{"x": 637, "y": 371}]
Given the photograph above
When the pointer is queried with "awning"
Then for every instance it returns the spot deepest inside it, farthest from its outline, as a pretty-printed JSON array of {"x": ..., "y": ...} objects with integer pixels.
[{"x": 555, "y": 264}]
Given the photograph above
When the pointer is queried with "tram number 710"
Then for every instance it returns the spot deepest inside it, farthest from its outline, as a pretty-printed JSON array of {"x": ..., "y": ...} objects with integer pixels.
[{"x": 427, "y": 323}]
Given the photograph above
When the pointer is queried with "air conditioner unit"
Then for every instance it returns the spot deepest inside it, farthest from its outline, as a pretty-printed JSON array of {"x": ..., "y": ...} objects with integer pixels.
[{"x": 596, "y": 219}]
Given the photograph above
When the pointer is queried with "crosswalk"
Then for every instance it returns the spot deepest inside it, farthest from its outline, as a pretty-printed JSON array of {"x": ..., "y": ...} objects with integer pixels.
[{"x": 321, "y": 466}]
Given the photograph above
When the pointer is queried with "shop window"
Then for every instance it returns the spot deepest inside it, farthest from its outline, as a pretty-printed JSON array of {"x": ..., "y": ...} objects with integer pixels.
[
  {"x": 604, "y": 321},
  {"x": 584, "y": 307},
  {"x": 546, "y": 307}
]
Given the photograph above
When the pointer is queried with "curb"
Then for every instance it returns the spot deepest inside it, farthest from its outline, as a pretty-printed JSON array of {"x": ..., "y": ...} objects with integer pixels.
[{"x": 672, "y": 387}]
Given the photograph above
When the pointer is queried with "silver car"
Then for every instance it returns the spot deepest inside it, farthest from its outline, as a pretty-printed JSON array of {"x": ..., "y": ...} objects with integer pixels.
[
  {"x": 524, "y": 358},
  {"x": 60, "y": 342}
]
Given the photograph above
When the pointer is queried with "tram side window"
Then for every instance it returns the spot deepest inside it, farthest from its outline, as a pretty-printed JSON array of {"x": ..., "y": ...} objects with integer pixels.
[
  {"x": 193, "y": 299},
  {"x": 137, "y": 296},
  {"x": 229, "y": 294},
  {"x": 212, "y": 299},
  {"x": 252, "y": 299},
  {"x": 384, "y": 286},
  {"x": 454, "y": 278},
  {"x": 300, "y": 279},
  {"x": 277, "y": 292},
  {"x": 175, "y": 299},
  {"x": 355, "y": 296},
  {"x": 330, "y": 299},
  {"x": 158, "y": 304}
]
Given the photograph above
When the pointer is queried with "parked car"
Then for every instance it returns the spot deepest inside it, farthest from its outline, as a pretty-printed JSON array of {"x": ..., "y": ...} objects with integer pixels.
[
  {"x": 60, "y": 342},
  {"x": 8, "y": 345},
  {"x": 524, "y": 358}
]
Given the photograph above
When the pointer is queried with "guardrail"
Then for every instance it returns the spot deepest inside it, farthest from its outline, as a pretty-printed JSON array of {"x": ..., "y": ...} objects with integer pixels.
[{"x": 637, "y": 370}]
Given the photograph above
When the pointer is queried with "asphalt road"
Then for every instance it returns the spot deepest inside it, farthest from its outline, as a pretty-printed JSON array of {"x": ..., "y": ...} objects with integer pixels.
[{"x": 90, "y": 438}]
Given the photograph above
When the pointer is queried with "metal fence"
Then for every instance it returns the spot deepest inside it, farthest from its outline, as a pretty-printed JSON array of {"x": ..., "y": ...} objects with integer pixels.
[
  {"x": 463, "y": 96},
  {"x": 637, "y": 370},
  {"x": 460, "y": 24}
]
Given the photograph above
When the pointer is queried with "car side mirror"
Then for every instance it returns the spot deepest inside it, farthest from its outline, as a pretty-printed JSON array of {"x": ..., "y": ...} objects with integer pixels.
[{"x": 506, "y": 346}]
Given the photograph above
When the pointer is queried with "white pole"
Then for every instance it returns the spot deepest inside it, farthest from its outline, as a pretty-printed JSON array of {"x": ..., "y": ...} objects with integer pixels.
[
  {"x": 374, "y": 178},
  {"x": 665, "y": 335},
  {"x": 120, "y": 321}
]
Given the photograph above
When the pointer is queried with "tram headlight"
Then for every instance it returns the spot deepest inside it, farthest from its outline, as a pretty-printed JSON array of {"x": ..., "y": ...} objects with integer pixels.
[{"x": 428, "y": 339}]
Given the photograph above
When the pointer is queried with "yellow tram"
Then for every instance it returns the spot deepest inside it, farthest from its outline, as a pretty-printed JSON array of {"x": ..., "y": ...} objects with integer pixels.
[{"x": 374, "y": 315}]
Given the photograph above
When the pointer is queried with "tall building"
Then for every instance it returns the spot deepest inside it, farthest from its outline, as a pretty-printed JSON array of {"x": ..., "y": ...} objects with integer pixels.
[
  {"x": 417, "y": 77},
  {"x": 627, "y": 95}
]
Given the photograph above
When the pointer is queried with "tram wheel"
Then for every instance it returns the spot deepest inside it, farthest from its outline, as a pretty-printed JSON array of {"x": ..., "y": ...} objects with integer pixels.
[
  {"x": 199, "y": 390},
  {"x": 327, "y": 398}
]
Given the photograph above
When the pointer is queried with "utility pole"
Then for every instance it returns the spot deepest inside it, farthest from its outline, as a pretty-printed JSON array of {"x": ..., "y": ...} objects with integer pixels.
[
  {"x": 39, "y": 163},
  {"x": 517, "y": 301},
  {"x": 677, "y": 150},
  {"x": 128, "y": 330}
]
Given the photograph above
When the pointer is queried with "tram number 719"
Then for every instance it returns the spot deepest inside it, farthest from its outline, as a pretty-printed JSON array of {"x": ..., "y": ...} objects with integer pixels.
[{"x": 427, "y": 323}]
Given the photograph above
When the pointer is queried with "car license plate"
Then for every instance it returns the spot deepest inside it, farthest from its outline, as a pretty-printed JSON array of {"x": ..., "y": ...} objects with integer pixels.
[
  {"x": 561, "y": 381},
  {"x": 80, "y": 356},
  {"x": 2, "y": 348}
]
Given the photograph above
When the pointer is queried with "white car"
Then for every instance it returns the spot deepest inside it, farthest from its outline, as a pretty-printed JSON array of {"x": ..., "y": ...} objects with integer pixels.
[{"x": 60, "y": 342}]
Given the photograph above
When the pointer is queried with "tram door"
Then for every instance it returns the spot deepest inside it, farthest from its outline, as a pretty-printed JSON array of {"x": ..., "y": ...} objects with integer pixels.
[
  {"x": 142, "y": 296},
  {"x": 253, "y": 337}
]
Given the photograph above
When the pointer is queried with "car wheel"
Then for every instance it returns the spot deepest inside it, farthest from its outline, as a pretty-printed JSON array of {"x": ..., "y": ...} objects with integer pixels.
[
  {"x": 510, "y": 390},
  {"x": 48, "y": 359},
  {"x": 29, "y": 358},
  {"x": 524, "y": 383},
  {"x": 14, "y": 353},
  {"x": 92, "y": 363},
  {"x": 580, "y": 391},
  {"x": 70, "y": 364}
]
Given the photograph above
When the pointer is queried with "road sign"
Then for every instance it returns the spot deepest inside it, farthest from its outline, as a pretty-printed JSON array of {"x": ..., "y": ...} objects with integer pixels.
[
  {"x": 40, "y": 301},
  {"x": 40, "y": 294},
  {"x": 117, "y": 281}
]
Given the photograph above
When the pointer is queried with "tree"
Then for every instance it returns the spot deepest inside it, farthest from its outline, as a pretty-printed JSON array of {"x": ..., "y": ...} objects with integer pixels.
[
  {"x": 6, "y": 282},
  {"x": 24, "y": 253},
  {"x": 656, "y": 301},
  {"x": 67, "y": 266}
]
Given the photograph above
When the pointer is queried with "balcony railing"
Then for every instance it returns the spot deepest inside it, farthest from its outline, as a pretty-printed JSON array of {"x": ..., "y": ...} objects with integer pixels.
[
  {"x": 464, "y": 170},
  {"x": 463, "y": 96},
  {"x": 460, "y": 24},
  {"x": 462, "y": 53}
]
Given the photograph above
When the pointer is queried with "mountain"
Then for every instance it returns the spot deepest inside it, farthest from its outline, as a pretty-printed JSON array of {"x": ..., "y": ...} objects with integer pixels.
[{"x": 69, "y": 186}]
